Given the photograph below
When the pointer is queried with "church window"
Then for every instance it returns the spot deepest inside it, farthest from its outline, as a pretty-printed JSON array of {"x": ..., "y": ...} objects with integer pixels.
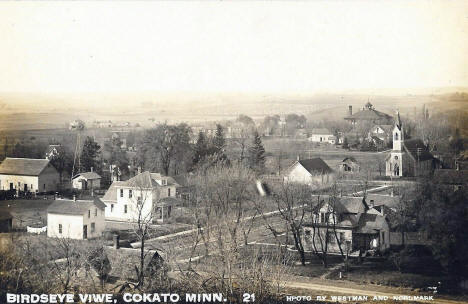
[
  {"x": 396, "y": 136},
  {"x": 396, "y": 157}
]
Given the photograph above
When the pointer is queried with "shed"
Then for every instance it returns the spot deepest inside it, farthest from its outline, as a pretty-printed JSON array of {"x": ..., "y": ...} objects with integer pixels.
[{"x": 86, "y": 180}]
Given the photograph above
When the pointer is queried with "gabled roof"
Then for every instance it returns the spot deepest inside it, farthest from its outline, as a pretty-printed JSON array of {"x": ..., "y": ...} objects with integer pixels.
[
  {"x": 71, "y": 207},
  {"x": 320, "y": 131},
  {"x": 451, "y": 176},
  {"x": 350, "y": 158},
  {"x": 111, "y": 193},
  {"x": 417, "y": 149},
  {"x": 23, "y": 166},
  {"x": 315, "y": 165},
  {"x": 371, "y": 223},
  {"x": 147, "y": 180},
  {"x": 88, "y": 175}
]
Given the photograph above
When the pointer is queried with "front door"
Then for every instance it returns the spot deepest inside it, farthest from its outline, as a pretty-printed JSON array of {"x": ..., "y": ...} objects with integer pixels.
[
  {"x": 11, "y": 186},
  {"x": 85, "y": 232}
]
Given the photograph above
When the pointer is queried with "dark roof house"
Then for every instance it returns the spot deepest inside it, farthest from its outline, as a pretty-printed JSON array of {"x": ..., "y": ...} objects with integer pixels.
[{"x": 315, "y": 165}]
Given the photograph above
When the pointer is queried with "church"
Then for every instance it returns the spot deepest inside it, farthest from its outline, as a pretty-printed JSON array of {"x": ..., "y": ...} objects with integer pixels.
[{"x": 408, "y": 157}]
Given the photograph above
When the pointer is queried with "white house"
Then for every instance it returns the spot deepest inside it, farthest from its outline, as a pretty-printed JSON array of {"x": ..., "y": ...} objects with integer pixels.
[
  {"x": 314, "y": 172},
  {"x": 28, "y": 175},
  {"x": 408, "y": 157},
  {"x": 86, "y": 180},
  {"x": 140, "y": 197},
  {"x": 322, "y": 135},
  {"x": 76, "y": 219}
]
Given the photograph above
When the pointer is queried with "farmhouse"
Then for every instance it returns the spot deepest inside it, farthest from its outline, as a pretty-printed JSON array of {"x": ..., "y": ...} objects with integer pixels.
[
  {"x": 346, "y": 223},
  {"x": 408, "y": 157},
  {"x": 368, "y": 114},
  {"x": 322, "y": 135},
  {"x": 141, "y": 197},
  {"x": 86, "y": 180},
  {"x": 76, "y": 219},
  {"x": 28, "y": 175},
  {"x": 314, "y": 172}
]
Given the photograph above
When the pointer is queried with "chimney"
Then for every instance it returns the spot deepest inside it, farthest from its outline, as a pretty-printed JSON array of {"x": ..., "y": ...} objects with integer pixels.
[
  {"x": 116, "y": 241},
  {"x": 298, "y": 158},
  {"x": 371, "y": 204},
  {"x": 350, "y": 110},
  {"x": 139, "y": 169},
  {"x": 92, "y": 169}
]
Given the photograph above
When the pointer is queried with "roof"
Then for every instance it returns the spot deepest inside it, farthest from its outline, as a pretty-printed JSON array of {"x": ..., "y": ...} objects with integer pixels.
[
  {"x": 111, "y": 193},
  {"x": 345, "y": 204},
  {"x": 315, "y": 165},
  {"x": 371, "y": 223},
  {"x": 321, "y": 131},
  {"x": 72, "y": 207},
  {"x": 350, "y": 158},
  {"x": 451, "y": 176},
  {"x": 23, "y": 166},
  {"x": 5, "y": 215},
  {"x": 147, "y": 180},
  {"x": 412, "y": 146},
  {"x": 131, "y": 257},
  {"x": 88, "y": 175},
  {"x": 386, "y": 128},
  {"x": 370, "y": 114}
]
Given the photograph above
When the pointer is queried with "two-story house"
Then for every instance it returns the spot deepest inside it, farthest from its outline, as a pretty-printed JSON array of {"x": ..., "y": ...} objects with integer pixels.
[
  {"x": 346, "y": 223},
  {"x": 141, "y": 197}
]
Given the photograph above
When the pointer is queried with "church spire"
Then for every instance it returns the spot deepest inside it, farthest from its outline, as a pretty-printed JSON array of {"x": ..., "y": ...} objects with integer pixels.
[{"x": 398, "y": 120}]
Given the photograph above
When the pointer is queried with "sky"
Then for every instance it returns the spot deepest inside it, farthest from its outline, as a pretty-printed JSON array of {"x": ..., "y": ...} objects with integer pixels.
[{"x": 223, "y": 46}]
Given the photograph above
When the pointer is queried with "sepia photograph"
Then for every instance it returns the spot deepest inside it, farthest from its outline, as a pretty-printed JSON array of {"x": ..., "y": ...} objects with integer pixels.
[{"x": 234, "y": 151}]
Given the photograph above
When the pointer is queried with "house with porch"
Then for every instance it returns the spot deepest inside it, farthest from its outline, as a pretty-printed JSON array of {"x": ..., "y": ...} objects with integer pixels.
[
  {"x": 140, "y": 197},
  {"x": 76, "y": 219},
  {"x": 345, "y": 224},
  {"x": 28, "y": 175}
]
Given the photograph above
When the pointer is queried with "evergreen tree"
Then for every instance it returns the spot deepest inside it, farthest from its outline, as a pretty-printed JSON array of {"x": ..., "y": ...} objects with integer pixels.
[
  {"x": 201, "y": 149},
  {"x": 219, "y": 142},
  {"x": 257, "y": 154},
  {"x": 89, "y": 155}
]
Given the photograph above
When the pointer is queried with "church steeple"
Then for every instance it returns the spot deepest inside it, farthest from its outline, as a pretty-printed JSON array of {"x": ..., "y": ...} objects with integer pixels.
[{"x": 398, "y": 133}]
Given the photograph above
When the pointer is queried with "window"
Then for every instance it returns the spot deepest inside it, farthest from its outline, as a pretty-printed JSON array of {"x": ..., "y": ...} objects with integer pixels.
[
  {"x": 121, "y": 192},
  {"x": 396, "y": 136},
  {"x": 342, "y": 237},
  {"x": 112, "y": 207},
  {"x": 130, "y": 193},
  {"x": 60, "y": 228},
  {"x": 307, "y": 232},
  {"x": 89, "y": 213},
  {"x": 383, "y": 237},
  {"x": 163, "y": 182},
  {"x": 125, "y": 208},
  {"x": 44, "y": 187},
  {"x": 168, "y": 191},
  {"x": 95, "y": 212},
  {"x": 323, "y": 217},
  {"x": 93, "y": 227},
  {"x": 396, "y": 157}
]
